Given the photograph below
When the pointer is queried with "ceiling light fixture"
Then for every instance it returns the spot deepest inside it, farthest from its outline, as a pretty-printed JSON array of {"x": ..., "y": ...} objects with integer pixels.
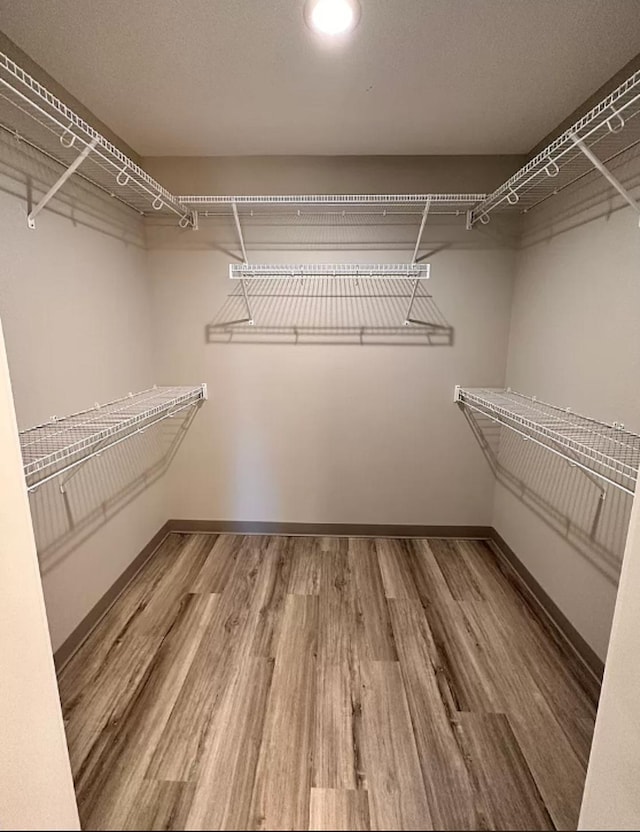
[{"x": 332, "y": 17}]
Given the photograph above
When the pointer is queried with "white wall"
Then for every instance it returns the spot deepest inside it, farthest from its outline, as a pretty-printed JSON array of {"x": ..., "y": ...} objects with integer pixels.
[
  {"x": 36, "y": 788},
  {"x": 611, "y": 797},
  {"x": 338, "y": 432},
  {"x": 75, "y": 305},
  {"x": 574, "y": 341}
]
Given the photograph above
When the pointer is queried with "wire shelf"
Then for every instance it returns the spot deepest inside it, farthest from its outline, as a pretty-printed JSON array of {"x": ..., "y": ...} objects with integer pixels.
[
  {"x": 605, "y": 450},
  {"x": 609, "y": 129},
  {"x": 53, "y": 448},
  {"x": 390, "y": 271},
  {"x": 460, "y": 201},
  {"x": 34, "y": 115}
]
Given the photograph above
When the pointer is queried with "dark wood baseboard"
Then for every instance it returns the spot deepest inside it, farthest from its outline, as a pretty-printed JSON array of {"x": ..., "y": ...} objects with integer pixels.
[
  {"x": 546, "y": 607},
  {"x": 528, "y": 584},
  {"x": 328, "y": 529},
  {"x": 72, "y": 642}
]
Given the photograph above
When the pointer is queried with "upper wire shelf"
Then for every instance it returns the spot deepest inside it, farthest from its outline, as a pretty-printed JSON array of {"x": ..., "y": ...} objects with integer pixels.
[
  {"x": 607, "y": 451},
  {"x": 390, "y": 271},
  {"x": 34, "y": 115},
  {"x": 460, "y": 201},
  {"x": 608, "y": 130},
  {"x": 59, "y": 445}
]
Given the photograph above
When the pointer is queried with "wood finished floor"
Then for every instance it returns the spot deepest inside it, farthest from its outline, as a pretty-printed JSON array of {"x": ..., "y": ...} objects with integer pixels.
[{"x": 325, "y": 683}]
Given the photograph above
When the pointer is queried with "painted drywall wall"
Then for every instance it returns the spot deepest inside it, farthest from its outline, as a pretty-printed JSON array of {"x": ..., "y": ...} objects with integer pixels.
[
  {"x": 574, "y": 342},
  {"x": 611, "y": 797},
  {"x": 37, "y": 788},
  {"x": 74, "y": 301},
  {"x": 358, "y": 430}
]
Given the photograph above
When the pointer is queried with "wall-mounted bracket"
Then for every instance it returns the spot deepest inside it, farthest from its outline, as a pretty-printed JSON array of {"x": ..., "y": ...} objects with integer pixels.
[
  {"x": 598, "y": 165},
  {"x": 53, "y": 190},
  {"x": 189, "y": 220}
]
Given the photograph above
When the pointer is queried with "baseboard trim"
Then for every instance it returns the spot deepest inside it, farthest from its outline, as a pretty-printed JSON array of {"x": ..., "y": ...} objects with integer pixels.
[
  {"x": 99, "y": 610},
  {"x": 327, "y": 529},
  {"x": 547, "y": 608}
]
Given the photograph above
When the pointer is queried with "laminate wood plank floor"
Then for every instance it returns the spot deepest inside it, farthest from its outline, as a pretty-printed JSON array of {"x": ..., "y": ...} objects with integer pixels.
[{"x": 271, "y": 682}]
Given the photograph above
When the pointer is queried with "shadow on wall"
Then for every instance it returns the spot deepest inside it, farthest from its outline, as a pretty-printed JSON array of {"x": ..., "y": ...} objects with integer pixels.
[
  {"x": 566, "y": 498},
  {"x": 93, "y": 493},
  {"x": 589, "y": 198},
  {"x": 27, "y": 174},
  {"x": 332, "y": 310}
]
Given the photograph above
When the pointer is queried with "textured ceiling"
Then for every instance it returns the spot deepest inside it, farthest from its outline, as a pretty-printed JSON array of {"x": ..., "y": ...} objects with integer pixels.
[{"x": 232, "y": 77}]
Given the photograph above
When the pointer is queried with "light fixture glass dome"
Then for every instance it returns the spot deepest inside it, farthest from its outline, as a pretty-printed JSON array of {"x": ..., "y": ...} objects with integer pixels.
[{"x": 332, "y": 17}]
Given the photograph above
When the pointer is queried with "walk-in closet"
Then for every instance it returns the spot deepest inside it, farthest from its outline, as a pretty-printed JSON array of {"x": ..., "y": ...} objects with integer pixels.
[{"x": 319, "y": 414}]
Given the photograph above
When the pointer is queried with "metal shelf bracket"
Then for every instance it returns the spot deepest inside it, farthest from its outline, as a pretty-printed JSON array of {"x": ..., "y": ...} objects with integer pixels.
[
  {"x": 600, "y": 167},
  {"x": 53, "y": 190}
]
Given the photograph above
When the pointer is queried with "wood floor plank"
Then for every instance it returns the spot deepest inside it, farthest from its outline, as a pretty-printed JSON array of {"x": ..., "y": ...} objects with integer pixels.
[
  {"x": 159, "y": 805},
  {"x": 573, "y": 706},
  {"x": 394, "y": 557},
  {"x": 458, "y": 659},
  {"x": 225, "y": 782},
  {"x": 306, "y": 559},
  {"x": 397, "y": 795},
  {"x": 219, "y": 565},
  {"x": 459, "y": 577},
  {"x": 84, "y": 669},
  {"x": 283, "y": 779},
  {"x": 178, "y": 576},
  {"x": 554, "y": 765},
  {"x": 333, "y": 809},
  {"x": 213, "y": 670},
  {"x": 337, "y": 753},
  {"x": 273, "y": 587},
  {"x": 508, "y": 795},
  {"x": 375, "y": 633},
  {"x": 112, "y": 773},
  {"x": 450, "y": 789}
]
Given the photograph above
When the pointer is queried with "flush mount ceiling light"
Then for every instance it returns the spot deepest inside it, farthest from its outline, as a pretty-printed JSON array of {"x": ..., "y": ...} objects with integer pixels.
[{"x": 332, "y": 17}]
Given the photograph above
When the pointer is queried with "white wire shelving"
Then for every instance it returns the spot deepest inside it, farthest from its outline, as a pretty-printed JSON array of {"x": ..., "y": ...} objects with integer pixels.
[
  {"x": 356, "y": 271},
  {"x": 32, "y": 114},
  {"x": 604, "y": 133},
  {"x": 606, "y": 451},
  {"x": 215, "y": 205},
  {"x": 329, "y": 275},
  {"x": 62, "y": 444}
]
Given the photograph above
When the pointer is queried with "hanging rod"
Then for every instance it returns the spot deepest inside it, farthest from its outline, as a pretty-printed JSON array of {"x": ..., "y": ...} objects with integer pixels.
[
  {"x": 386, "y": 271},
  {"x": 612, "y": 127},
  {"x": 607, "y": 451},
  {"x": 61, "y": 444},
  {"x": 32, "y": 113}
]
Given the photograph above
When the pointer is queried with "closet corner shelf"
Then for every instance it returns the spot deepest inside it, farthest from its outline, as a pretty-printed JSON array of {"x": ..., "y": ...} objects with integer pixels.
[
  {"x": 60, "y": 445},
  {"x": 33, "y": 115},
  {"x": 604, "y": 133},
  {"x": 607, "y": 451}
]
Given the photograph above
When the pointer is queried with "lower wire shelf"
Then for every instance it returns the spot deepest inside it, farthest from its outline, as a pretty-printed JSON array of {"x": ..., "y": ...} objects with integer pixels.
[
  {"x": 607, "y": 451},
  {"x": 53, "y": 448}
]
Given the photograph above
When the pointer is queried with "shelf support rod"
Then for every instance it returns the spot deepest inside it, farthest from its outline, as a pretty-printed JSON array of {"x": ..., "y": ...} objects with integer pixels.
[
  {"x": 423, "y": 222},
  {"x": 236, "y": 219},
  {"x": 407, "y": 318},
  {"x": 606, "y": 173},
  {"x": 53, "y": 190}
]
